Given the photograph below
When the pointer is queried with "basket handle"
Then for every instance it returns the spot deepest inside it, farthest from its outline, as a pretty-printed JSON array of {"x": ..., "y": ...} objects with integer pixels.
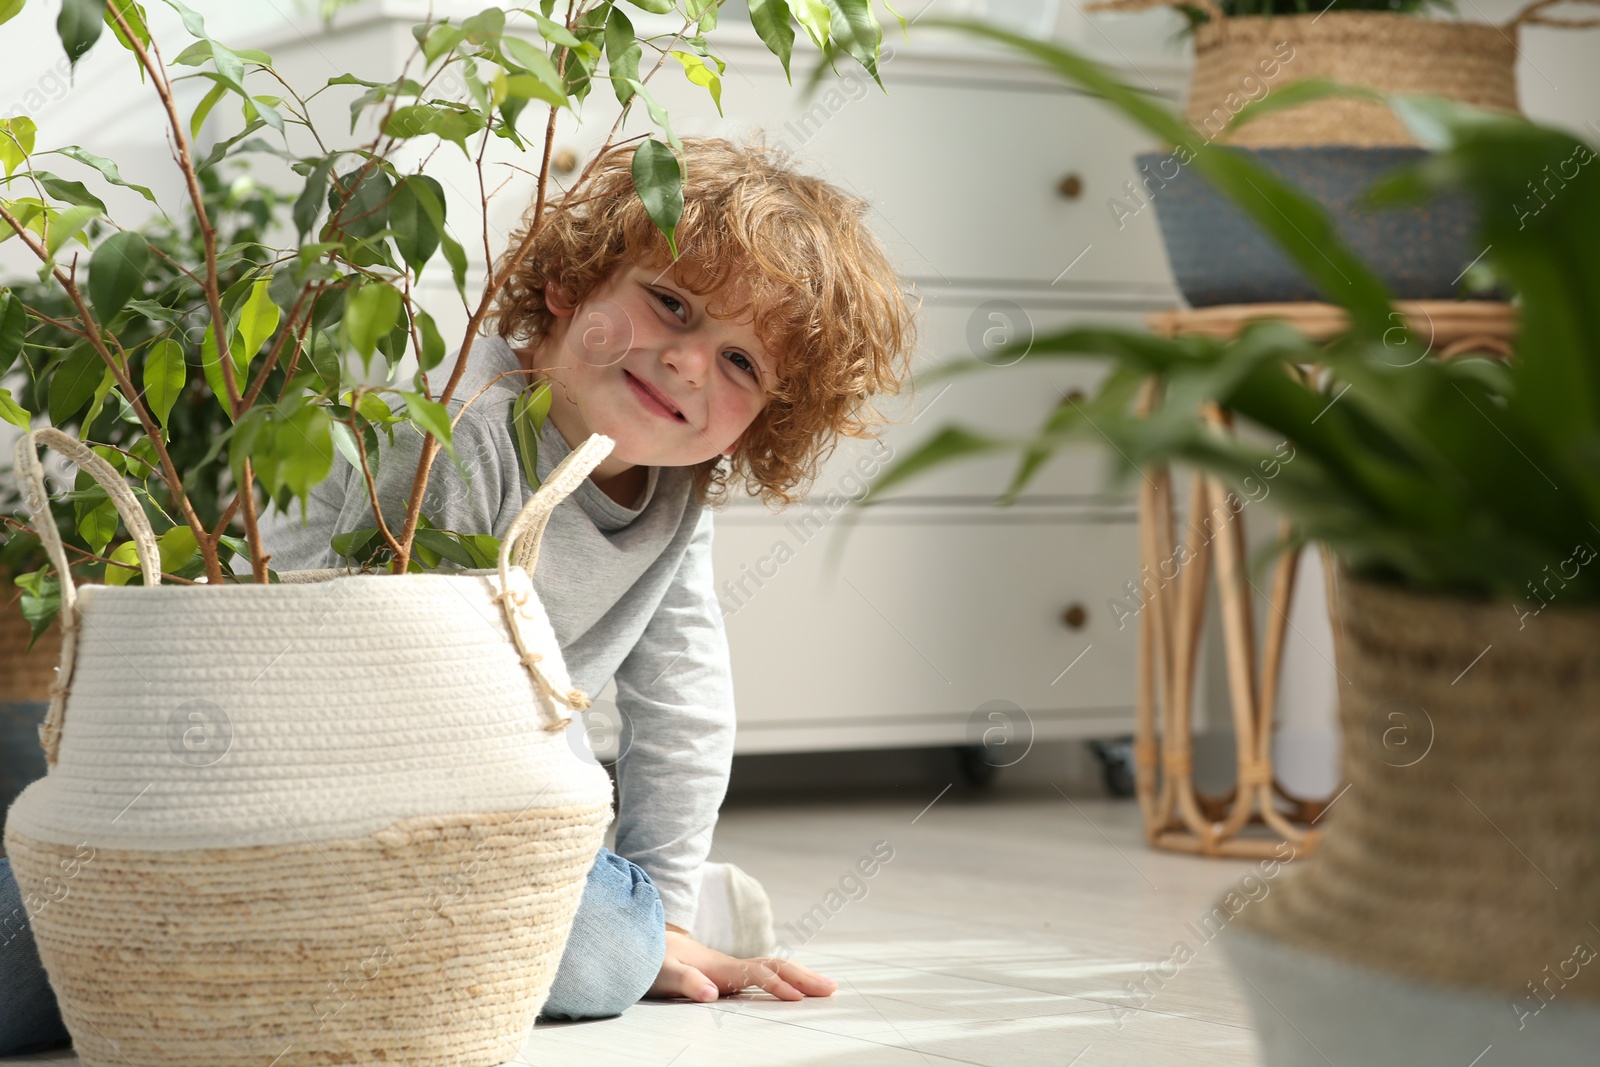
[
  {"x": 30, "y": 477},
  {"x": 524, "y": 534},
  {"x": 1530, "y": 14}
]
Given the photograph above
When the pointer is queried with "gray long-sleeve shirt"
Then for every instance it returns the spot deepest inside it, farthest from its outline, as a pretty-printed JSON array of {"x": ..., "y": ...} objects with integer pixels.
[{"x": 628, "y": 590}]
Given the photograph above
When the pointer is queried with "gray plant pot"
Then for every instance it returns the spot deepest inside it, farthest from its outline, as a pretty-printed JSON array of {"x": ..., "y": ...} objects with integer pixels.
[{"x": 1220, "y": 256}]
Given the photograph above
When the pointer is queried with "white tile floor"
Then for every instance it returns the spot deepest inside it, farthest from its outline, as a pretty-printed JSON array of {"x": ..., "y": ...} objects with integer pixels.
[{"x": 1003, "y": 931}]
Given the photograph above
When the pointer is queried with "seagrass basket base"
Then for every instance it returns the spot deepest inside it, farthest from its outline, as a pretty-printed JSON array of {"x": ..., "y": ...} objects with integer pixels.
[{"x": 431, "y": 942}]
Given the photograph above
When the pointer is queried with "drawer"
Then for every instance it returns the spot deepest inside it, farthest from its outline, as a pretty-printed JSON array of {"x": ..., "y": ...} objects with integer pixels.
[{"x": 933, "y": 621}]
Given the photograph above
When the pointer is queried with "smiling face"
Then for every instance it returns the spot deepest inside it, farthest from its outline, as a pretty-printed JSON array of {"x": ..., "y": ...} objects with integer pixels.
[{"x": 642, "y": 361}]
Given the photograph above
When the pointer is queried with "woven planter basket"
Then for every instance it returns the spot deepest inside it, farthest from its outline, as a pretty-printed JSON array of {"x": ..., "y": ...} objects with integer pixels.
[
  {"x": 334, "y": 820},
  {"x": 1472, "y": 62},
  {"x": 1463, "y": 854}
]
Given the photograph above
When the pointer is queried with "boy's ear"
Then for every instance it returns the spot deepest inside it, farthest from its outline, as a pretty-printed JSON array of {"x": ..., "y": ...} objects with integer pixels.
[{"x": 559, "y": 300}]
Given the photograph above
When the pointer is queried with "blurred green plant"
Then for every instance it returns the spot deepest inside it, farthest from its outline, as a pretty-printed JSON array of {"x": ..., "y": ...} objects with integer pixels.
[
  {"x": 1468, "y": 476},
  {"x": 282, "y": 317}
]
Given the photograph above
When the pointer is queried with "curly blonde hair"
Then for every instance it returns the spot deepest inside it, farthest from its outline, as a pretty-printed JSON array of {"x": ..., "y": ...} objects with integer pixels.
[{"x": 828, "y": 303}]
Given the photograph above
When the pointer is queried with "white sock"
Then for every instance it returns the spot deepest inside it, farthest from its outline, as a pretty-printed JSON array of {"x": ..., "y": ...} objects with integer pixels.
[{"x": 734, "y": 915}]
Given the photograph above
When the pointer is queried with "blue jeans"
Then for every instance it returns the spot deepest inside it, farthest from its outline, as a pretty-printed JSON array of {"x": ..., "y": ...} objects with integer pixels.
[{"x": 615, "y": 951}]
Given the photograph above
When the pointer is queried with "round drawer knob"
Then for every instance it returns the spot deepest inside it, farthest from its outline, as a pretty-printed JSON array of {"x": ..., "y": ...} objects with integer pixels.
[
  {"x": 1070, "y": 186},
  {"x": 1075, "y": 617},
  {"x": 565, "y": 161}
]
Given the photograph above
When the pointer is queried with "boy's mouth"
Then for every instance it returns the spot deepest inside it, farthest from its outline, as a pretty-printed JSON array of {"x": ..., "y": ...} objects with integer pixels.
[{"x": 653, "y": 399}]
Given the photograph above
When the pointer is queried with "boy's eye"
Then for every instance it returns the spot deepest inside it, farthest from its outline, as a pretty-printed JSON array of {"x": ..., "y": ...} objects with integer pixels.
[
  {"x": 672, "y": 302},
  {"x": 755, "y": 372}
]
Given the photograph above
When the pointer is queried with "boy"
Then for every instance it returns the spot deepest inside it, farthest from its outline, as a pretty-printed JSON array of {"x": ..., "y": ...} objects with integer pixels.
[{"x": 747, "y": 356}]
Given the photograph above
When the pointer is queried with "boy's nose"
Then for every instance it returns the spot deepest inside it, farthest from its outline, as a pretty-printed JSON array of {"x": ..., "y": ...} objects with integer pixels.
[{"x": 690, "y": 359}]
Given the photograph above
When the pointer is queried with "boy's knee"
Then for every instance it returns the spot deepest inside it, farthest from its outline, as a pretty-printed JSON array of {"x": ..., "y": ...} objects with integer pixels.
[{"x": 616, "y": 947}]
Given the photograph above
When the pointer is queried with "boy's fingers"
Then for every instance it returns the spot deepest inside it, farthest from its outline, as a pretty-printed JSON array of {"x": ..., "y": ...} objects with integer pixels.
[
  {"x": 678, "y": 979},
  {"x": 755, "y": 972}
]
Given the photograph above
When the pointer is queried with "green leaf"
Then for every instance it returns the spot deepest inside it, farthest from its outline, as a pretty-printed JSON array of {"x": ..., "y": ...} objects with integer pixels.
[
  {"x": 771, "y": 20},
  {"x": 117, "y": 272},
  {"x": 817, "y": 18},
  {"x": 356, "y": 543},
  {"x": 554, "y": 32},
  {"x": 951, "y": 442},
  {"x": 204, "y": 107},
  {"x": 658, "y": 114},
  {"x": 134, "y": 16},
  {"x": 528, "y": 414},
  {"x": 655, "y": 7},
  {"x": 456, "y": 256},
  {"x": 309, "y": 203},
  {"x": 855, "y": 27},
  {"x": 485, "y": 548},
  {"x": 416, "y": 234},
  {"x": 440, "y": 40},
  {"x": 659, "y": 182},
  {"x": 258, "y": 320},
  {"x": 95, "y": 515},
  {"x": 16, "y": 141},
  {"x": 288, "y": 450},
  {"x": 177, "y": 547},
  {"x": 430, "y": 417},
  {"x": 9, "y": 9},
  {"x": 211, "y": 364},
  {"x": 74, "y": 382},
  {"x": 164, "y": 375},
  {"x": 432, "y": 344},
  {"x": 67, "y": 225},
  {"x": 445, "y": 545},
  {"x": 13, "y": 412},
  {"x": 13, "y": 330},
  {"x": 72, "y": 192},
  {"x": 78, "y": 26},
  {"x": 191, "y": 19},
  {"x": 534, "y": 60},
  {"x": 367, "y": 210},
  {"x": 448, "y": 124},
  {"x": 695, "y": 69},
  {"x": 370, "y": 313},
  {"x": 106, "y": 167},
  {"x": 622, "y": 54}
]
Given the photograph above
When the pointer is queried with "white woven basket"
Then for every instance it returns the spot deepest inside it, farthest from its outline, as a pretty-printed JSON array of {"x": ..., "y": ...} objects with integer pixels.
[{"x": 334, "y": 820}]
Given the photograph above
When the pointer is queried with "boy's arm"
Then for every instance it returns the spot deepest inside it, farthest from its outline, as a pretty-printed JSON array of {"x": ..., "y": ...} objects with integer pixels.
[{"x": 675, "y": 692}]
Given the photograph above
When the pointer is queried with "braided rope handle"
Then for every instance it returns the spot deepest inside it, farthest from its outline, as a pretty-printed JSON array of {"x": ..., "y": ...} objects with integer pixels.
[
  {"x": 30, "y": 479},
  {"x": 1530, "y": 14},
  {"x": 524, "y": 535}
]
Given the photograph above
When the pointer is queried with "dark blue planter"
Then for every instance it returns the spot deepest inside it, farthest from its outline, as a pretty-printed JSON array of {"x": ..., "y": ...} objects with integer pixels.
[
  {"x": 1220, "y": 256},
  {"x": 21, "y": 758}
]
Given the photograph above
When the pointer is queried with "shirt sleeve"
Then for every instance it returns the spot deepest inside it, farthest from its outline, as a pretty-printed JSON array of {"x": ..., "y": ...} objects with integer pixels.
[
  {"x": 675, "y": 694},
  {"x": 341, "y": 503}
]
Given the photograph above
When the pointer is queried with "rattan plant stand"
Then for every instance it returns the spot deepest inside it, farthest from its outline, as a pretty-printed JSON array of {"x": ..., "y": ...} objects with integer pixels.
[{"x": 1177, "y": 816}]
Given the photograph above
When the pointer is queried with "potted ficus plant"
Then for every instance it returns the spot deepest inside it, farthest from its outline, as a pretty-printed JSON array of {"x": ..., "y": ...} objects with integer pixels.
[
  {"x": 1448, "y": 907},
  {"x": 199, "y": 375},
  {"x": 1331, "y": 147}
]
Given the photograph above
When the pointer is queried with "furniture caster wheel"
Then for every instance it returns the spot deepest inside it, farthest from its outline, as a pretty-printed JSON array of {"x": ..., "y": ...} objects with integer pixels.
[
  {"x": 976, "y": 770},
  {"x": 1116, "y": 763}
]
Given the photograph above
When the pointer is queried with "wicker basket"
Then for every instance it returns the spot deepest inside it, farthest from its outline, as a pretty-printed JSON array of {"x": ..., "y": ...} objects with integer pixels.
[
  {"x": 1462, "y": 856},
  {"x": 329, "y": 821},
  {"x": 1241, "y": 58}
]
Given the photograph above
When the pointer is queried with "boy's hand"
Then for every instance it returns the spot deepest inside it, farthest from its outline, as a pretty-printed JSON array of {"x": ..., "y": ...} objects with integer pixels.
[{"x": 692, "y": 970}]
